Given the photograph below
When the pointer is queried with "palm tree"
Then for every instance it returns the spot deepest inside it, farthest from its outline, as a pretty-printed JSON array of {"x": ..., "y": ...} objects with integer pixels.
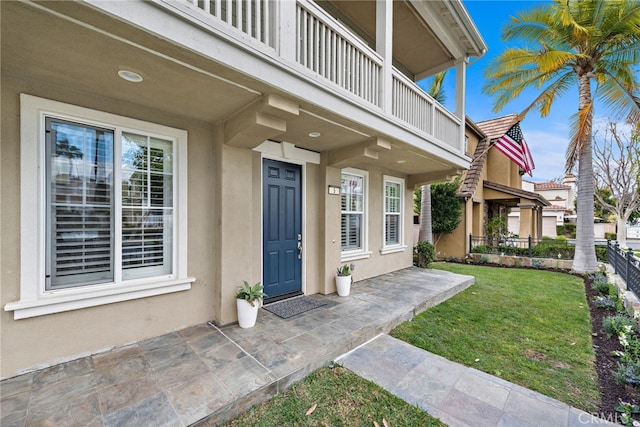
[
  {"x": 437, "y": 92},
  {"x": 568, "y": 42}
]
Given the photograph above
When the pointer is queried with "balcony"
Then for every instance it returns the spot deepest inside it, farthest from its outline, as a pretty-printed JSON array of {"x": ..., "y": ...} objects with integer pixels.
[{"x": 333, "y": 53}]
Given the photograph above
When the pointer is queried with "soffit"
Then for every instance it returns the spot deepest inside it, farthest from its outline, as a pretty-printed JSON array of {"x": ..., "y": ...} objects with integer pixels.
[{"x": 47, "y": 48}]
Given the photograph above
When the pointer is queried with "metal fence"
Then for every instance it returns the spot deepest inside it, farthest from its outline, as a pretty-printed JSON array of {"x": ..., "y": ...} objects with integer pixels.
[{"x": 626, "y": 265}]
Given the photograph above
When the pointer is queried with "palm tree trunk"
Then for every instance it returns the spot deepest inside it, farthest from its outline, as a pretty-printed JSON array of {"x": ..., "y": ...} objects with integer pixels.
[
  {"x": 425, "y": 215},
  {"x": 585, "y": 257},
  {"x": 621, "y": 232}
]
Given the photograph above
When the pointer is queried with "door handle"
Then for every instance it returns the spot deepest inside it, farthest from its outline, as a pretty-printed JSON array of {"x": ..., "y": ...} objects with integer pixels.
[{"x": 299, "y": 249}]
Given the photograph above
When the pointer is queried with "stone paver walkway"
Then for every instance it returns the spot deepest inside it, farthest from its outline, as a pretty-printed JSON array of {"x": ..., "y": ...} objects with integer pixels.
[{"x": 458, "y": 395}]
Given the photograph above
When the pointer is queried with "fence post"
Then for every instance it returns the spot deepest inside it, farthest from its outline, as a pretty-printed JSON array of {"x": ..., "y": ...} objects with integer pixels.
[
  {"x": 530, "y": 249},
  {"x": 615, "y": 263},
  {"x": 627, "y": 268}
]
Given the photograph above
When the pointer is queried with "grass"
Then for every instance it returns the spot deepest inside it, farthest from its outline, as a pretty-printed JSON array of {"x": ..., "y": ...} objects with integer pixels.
[
  {"x": 529, "y": 327},
  {"x": 342, "y": 398}
]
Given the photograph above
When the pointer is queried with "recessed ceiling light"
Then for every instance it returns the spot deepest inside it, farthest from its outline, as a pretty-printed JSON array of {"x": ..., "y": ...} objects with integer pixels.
[
  {"x": 401, "y": 161},
  {"x": 130, "y": 76},
  {"x": 314, "y": 134}
]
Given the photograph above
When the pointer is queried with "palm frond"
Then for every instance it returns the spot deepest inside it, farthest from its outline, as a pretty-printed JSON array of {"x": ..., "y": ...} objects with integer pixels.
[
  {"x": 437, "y": 89},
  {"x": 545, "y": 99},
  {"x": 581, "y": 125},
  {"x": 518, "y": 69},
  {"x": 618, "y": 90},
  {"x": 564, "y": 42}
]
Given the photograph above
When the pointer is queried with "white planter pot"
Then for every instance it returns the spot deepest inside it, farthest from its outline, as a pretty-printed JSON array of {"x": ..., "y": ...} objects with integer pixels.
[
  {"x": 343, "y": 284},
  {"x": 247, "y": 314}
]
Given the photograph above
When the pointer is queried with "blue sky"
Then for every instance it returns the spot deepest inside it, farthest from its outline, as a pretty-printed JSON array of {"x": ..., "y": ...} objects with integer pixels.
[{"x": 547, "y": 137}]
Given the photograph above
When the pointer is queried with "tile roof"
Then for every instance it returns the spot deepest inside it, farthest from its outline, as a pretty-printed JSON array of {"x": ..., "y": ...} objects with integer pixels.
[
  {"x": 495, "y": 128},
  {"x": 516, "y": 192},
  {"x": 550, "y": 186},
  {"x": 474, "y": 173},
  {"x": 556, "y": 208}
]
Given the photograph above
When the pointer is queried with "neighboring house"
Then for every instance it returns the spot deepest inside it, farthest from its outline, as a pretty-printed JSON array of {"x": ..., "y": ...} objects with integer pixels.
[
  {"x": 560, "y": 195},
  {"x": 156, "y": 154},
  {"x": 562, "y": 208},
  {"x": 490, "y": 188}
]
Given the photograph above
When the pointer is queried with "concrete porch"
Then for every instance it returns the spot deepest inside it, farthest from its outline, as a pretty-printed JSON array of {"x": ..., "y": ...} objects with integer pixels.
[{"x": 212, "y": 373}]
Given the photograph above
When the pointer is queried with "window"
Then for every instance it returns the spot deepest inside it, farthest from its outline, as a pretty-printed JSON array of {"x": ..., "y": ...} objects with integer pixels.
[
  {"x": 393, "y": 214},
  {"x": 103, "y": 202},
  {"x": 353, "y": 213}
]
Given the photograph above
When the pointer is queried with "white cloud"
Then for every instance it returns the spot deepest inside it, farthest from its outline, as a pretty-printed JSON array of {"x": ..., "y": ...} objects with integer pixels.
[{"x": 600, "y": 123}]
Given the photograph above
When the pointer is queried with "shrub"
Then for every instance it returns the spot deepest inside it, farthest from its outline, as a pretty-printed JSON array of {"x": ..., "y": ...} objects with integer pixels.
[
  {"x": 614, "y": 325},
  {"x": 602, "y": 254},
  {"x": 484, "y": 249},
  {"x": 600, "y": 284},
  {"x": 608, "y": 302},
  {"x": 537, "y": 263},
  {"x": 484, "y": 259},
  {"x": 549, "y": 248},
  {"x": 628, "y": 373},
  {"x": 570, "y": 230},
  {"x": 611, "y": 236},
  {"x": 424, "y": 253}
]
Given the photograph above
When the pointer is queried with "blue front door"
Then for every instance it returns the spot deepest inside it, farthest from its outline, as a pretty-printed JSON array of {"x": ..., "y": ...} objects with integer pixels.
[{"x": 282, "y": 229}]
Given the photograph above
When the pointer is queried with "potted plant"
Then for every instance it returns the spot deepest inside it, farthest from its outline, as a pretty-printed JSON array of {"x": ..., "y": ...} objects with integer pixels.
[
  {"x": 343, "y": 280},
  {"x": 248, "y": 300}
]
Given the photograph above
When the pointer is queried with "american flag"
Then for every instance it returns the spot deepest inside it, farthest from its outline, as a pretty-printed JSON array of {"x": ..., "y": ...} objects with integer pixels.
[{"x": 513, "y": 145}]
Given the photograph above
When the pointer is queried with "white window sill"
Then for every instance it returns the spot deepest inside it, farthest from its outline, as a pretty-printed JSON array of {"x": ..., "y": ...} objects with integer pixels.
[
  {"x": 60, "y": 302},
  {"x": 393, "y": 249},
  {"x": 354, "y": 256}
]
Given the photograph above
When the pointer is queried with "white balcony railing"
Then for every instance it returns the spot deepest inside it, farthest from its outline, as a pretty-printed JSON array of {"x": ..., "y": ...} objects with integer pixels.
[
  {"x": 255, "y": 18},
  {"x": 411, "y": 104},
  {"x": 333, "y": 52},
  {"x": 326, "y": 49}
]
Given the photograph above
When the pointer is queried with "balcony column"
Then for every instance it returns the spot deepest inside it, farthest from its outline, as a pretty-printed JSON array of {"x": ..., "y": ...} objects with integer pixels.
[
  {"x": 384, "y": 48},
  {"x": 287, "y": 27},
  {"x": 461, "y": 78}
]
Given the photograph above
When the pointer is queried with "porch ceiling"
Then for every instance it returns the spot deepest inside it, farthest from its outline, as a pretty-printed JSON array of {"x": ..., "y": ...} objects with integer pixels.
[
  {"x": 411, "y": 32},
  {"x": 83, "y": 54}
]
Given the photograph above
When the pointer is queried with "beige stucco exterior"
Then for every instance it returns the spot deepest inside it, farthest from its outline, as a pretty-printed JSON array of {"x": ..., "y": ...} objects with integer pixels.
[{"x": 238, "y": 105}]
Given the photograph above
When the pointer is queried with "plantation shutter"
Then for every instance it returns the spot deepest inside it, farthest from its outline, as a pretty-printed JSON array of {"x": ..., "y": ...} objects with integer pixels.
[
  {"x": 392, "y": 200},
  {"x": 80, "y": 201},
  {"x": 352, "y": 219},
  {"x": 147, "y": 206}
]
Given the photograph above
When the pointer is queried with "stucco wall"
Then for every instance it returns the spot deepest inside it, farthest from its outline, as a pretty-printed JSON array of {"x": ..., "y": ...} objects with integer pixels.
[
  {"x": 43, "y": 340},
  {"x": 376, "y": 263},
  {"x": 224, "y": 238},
  {"x": 454, "y": 244}
]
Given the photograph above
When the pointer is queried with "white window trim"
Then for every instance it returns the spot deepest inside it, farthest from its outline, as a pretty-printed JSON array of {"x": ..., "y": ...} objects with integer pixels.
[
  {"x": 34, "y": 299},
  {"x": 399, "y": 247},
  {"x": 363, "y": 253}
]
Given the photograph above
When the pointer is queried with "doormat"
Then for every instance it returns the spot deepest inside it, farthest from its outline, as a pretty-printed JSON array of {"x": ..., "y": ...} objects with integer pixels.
[{"x": 291, "y": 307}]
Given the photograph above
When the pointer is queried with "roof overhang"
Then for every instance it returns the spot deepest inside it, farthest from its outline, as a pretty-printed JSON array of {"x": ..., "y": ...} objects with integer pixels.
[{"x": 511, "y": 195}]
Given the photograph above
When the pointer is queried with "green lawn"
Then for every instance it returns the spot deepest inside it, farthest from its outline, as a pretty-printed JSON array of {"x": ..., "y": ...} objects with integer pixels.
[
  {"x": 342, "y": 399},
  {"x": 529, "y": 327}
]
